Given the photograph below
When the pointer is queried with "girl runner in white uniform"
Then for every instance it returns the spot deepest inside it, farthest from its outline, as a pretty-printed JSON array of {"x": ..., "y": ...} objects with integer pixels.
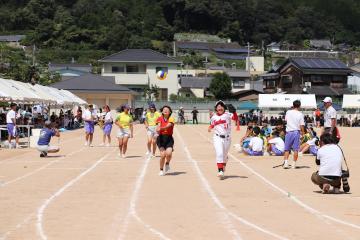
[{"x": 221, "y": 124}]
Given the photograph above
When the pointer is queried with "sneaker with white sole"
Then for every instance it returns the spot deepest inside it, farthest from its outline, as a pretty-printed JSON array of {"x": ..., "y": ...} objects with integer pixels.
[
  {"x": 86, "y": 144},
  {"x": 120, "y": 155},
  {"x": 161, "y": 173},
  {"x": 123, "y": 155},
  {"x": 107, "y": 145},
  {"x": 221, "y": 175},
  {"x": 301, "y": 154},
  {"x": 147, "y": 153},
  {"x": 293, "y": 165},
  {"x": 286, "y": 165},
  {"x": 266, "y": 154},
  {"x": 167, "y": 168}
]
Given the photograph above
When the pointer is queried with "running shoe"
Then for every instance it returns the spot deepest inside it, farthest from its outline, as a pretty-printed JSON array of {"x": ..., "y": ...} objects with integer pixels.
[
  {"x": 221, "y": 175},
  {"x": 335, "y": 190},
  {"x": 293, "y": 165},
  {"x": 161, "y": 173},
  {"x": 86, "y": 144},
  {"x": 147, "y": 153},
  {"x": 286, "y": 165},
  {"x": 167, "y": 168},
  {"x": 43, "y": 154},
  {"x": 301, "y": 154}
]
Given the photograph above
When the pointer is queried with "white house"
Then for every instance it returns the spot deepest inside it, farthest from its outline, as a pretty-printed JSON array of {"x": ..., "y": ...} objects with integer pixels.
[{"x": 139, "y": 68}]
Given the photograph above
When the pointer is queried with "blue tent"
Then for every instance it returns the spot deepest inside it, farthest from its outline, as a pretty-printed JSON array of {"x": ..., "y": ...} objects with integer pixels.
[{"x": 247, "y": 105}]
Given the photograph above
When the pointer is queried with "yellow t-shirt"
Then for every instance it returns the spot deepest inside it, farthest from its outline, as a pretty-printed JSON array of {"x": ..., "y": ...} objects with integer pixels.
[
  {"x": 151, "y": 118},
  {"x": 124, "y": 120}
]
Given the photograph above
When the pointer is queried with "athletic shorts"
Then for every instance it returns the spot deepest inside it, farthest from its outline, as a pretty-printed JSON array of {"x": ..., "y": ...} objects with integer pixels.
[
  {"x": 124, "y": 132},
  {"x": 46, "y": 148},
  {"x": 246, "y": 142},
  {"x": 313, "y": 150},
  {"x": 250, "y": 152},
  {"x": 107, "y": 128},
  {"x": 292, "y": 141},
  {"x": 151, "y": 131},
  {"x": 11, "y": 130},
  {"x": 276, "y": 151},
  {"x": 165, "y": 141},
  {"x": 89, "y": 127}
]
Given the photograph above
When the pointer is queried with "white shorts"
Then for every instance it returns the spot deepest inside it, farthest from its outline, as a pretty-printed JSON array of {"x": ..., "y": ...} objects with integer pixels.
[
  {"x": 123, "y": 133},
  {"x": 151, "y": 131},
  {"x": 46, "y": 148}
]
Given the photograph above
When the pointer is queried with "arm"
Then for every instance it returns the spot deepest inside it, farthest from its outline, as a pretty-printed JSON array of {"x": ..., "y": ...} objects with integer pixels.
[
  {"x": 302, "y": 130},
  {"x": 131, "y": 130},
  {"x": 57, "y": 133},
  {"x": 167, "y": 126}
]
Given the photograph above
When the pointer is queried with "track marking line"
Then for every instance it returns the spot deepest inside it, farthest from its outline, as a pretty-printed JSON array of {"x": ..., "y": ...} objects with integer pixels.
[
  {"x": 40, "y": 168},
  {"x": 216, "y": 200},
  {"x": 132, "y": 208},
  {"x": 47, "y": 202},
  {"x": 284, "y": 192}
]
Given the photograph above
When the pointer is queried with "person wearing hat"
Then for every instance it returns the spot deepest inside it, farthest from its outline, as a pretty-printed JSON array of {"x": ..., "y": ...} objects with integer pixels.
[
  {"x": 89, "y": 117},
  {"x": 221, "y": 124},
  {"x": 329, "y": 118},
  {"x": 44, "y": 140},
  {"x": 150, "y": 123},
  {"x": 11, "y": 125},
  {"x": 124, "y": 121}
]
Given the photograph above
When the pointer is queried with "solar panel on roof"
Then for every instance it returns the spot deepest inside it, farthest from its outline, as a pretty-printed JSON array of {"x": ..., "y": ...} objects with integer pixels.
[{"x": 319, "y": 63}]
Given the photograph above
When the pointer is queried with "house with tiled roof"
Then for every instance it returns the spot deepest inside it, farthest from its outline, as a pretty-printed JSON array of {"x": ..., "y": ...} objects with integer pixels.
[{"x": 139, "y": 68}]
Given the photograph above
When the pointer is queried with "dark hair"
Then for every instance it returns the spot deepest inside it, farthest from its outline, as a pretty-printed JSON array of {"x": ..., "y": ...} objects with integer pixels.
[
  {"x": 275, "y": 134},
  {"x": 296, "y": 104},
  {"x": 107, "y": 107},
  {"x": 13, "y": 105},
  {"x": 256, "y": 131},
  {"x": 221, "y": 103},
  {"x": 166, "y": 106},
  {"x": 326, "y": 138}
]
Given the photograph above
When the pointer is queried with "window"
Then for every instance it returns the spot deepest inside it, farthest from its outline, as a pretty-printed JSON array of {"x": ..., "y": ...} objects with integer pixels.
[
  {"x": 132, "y": 68},
  {"x": 286, "y": 81},
  {"x": 238, "y": 83},
  {"x": 117, "y": 69},
  {"x": 270, "y": 83}
]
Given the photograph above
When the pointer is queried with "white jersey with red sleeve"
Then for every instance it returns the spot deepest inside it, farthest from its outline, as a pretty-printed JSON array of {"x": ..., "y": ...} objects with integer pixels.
[{"x": 222, "y": 123}]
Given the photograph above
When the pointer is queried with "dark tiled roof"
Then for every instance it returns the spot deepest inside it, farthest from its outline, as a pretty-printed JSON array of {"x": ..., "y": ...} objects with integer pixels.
[
  {"x": 328, "y": 91},
  {"x": 319, "y": 63},
  {"x": 230, "y": 56},
  {"x": 230, "y": 50},
  {"x": 195, "y": 82},
  {"x": 243, "y": 74},
  {"x": 206, "y": 46},
  {"x": 326, "y": 44},
  {"x": 11, "y": 38},
  {"x": 91, "y": 82},
  {"x": 139, "y": 55}
]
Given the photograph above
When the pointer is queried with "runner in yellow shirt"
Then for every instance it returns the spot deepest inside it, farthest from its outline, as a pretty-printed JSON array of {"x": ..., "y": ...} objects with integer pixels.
[
  {"x": 150, "y": 123},
  {"x": 125, "y": 123}
]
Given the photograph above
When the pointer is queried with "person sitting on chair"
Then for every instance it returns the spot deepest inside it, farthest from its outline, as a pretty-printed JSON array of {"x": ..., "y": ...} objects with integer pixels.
[
  {"x": 44, "y": 140},
  {"x": 329, "y": 158}
]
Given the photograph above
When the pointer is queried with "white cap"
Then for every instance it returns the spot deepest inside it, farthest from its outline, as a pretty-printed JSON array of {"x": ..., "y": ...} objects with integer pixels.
[{"x": 327, "y": 100}]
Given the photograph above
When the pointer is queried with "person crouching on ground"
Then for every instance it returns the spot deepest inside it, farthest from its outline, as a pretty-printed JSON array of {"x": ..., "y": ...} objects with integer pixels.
[
  {"x": 276, "y": 145},
  {"x": 165, "y": 140},
  {"x": 44, "y": 140},
  {"x": 255, "y": 145},
  {"x": 221, "y": 123},
  {"x": 329, "y": 158}
]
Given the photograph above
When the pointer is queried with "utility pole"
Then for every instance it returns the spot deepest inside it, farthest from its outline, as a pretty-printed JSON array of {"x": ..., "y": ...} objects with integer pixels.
[
  {"x": 206, "y": 61},
  {"x": 33, "y": 55},
  {"x": 248, "y": 56}
]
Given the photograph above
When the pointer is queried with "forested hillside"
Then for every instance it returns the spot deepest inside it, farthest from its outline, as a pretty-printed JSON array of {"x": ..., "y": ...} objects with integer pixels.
[{"x": 117, "y": 24}]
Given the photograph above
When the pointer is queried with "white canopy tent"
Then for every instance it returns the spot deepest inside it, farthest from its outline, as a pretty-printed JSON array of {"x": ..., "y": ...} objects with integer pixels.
[
  {"x": 286, "y": 100},
  {"x": 351, "y": 101},
  {"x": 16, "y": 91}
]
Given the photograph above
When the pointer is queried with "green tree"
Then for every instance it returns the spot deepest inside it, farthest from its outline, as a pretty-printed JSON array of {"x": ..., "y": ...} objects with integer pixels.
[{"x": 220, "y": 86}]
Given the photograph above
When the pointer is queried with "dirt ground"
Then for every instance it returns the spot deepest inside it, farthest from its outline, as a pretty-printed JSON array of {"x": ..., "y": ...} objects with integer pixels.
[{"x": 92, "y": 193}]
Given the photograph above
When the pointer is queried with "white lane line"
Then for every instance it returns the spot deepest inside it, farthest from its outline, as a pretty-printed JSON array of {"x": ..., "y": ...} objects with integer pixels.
[
  {"x": 290, "y": 196},
  {"x": 40, "y": 168},
  {"x": 216, "y": 200},
  {"x": 46, "y": 203},
  {"x": 18, "y": 226},
  {"x": 132, "y": 208}
]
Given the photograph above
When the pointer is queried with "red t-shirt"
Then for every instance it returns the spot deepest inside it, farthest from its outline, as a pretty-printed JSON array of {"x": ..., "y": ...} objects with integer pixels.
[{"x": 163, "y": 123}]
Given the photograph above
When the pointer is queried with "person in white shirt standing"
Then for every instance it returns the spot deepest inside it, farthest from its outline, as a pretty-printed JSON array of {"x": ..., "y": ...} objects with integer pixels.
[
  {"x": 89, "y": 119},
  {"x": 11, "y": 125},
  {"x": 329, "y": 158},
  {"x": 294, "y": 125},
  {"x": 221, "y": 124},
  {"x": 330, "y": 119}
]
